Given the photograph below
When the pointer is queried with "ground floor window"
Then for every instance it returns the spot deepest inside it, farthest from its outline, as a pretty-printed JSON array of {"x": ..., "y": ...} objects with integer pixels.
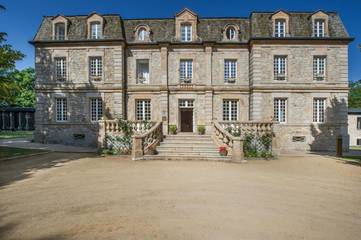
[
  {"x": 319, "y": 110},
  {"x": 61, "y": 109},
  {"x": 280, "y": 109},
  {"x": 230, "y": 110},
  {"x": 359, "y": 123},
  {"x": 96, "y": 109},
  {"x": 143, "y": 110},
  {"x": 358, "y": 142}
]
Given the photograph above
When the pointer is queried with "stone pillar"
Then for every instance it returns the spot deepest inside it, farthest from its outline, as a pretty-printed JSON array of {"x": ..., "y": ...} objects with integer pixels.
[
  {"x": 101, "y": 135},
  {"x": 237, "y": 151},
  {"x": 27, "y": 117},
  {"x": 208, "y": 64},
  {"x": 137, "y": 148},
  {"x": 19, "y": 121},
  {"x": 164, "y": 97},
  {"x": 12, "y": 122}
]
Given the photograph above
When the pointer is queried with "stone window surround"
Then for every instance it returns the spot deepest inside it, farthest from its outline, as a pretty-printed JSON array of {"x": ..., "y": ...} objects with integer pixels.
[
  {"x": 327, "y": 98},
  {"x": 94, "y": 18},
  {"x": 59, "y": 54},
  {"x": 286, "y": 107},
  {"x": 54, "y": 96},
  {"x": 60, "y": 19},
  {"x": 96, "y": 53},
  {"x": 227, "y": 80},
  {"x": 137, "y": 30},
  {"x": 186, "y": 17},
  {"x": 89, "y": 96},
  {"x": 325, "y": 67},
  {"x": 322, "y": 16},
  {"x": 284, "y": 16},
  {"x": 224, "y": 33}
]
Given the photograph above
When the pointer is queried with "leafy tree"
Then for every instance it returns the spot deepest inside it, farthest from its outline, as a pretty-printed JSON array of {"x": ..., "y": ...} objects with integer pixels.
[
  {"x": 354, "y": 100},
  {"x": 25, "y": 81}
]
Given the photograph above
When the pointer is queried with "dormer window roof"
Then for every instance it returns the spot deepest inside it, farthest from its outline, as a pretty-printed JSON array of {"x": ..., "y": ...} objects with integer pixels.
[
  {"x": 60, "y": 27},
  {"x": 320, "y": 24},
  {"x": 95, "y": 26},
  {"x": 186, "y": 26},
  {"x": 280, "y": 21}
]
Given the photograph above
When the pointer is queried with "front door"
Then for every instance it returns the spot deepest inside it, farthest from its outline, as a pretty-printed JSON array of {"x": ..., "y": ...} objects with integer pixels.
[{"x": 186, "y": 115}]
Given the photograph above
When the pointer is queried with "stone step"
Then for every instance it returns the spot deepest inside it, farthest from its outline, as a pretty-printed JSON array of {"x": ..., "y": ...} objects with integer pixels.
[
  {"x": 190, "y": 151},
  {"x": 188, "y": 158},
  {"x": 187, "y": 148},
  {"x": 188, "y": 136},
  {"x": 216, "y": 154},
  {"x": 189, "y": 141}
]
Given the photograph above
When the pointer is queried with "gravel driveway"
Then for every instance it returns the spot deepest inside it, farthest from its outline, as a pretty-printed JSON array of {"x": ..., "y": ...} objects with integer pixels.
[{"x": 81, "y": 196}]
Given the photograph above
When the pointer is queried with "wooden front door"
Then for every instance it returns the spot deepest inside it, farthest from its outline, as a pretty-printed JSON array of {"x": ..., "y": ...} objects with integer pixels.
[{"x": 186, "y": 116}]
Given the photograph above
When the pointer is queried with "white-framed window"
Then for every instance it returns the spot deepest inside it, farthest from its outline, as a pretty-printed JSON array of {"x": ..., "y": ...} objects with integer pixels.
[
  {"x": 59, "y": 33},
  {"x": 280, "y": 67},
  {"x": 142, "y": 71},
  {"x": 60, "y": 68},
  {"x": 319, "y": 68},
  {"x": 186, "y": 32},
  {"x": 143, "y": 110},
  {"x": 230, "y": 70},
  {"x": 279, "y": 109},
  {"x": 61, "y": 107},
  {"x": 95, "y": 68},
  {"x": 230, "y": 110},
  {"x": 359, "y": 123},
  {"x": 319, "y": 28},
  {"x": 186, "y": 103},
  {"x": 95, "y": 30},
  {"x": 280, "y": 28},
  {"x": 96, "y": 109},
  {"x": 186, "y": 71},
  {"x": 319, "y": 106},
  {"x": 142, "y": 34},
  {"x": 231, "y": 33}
]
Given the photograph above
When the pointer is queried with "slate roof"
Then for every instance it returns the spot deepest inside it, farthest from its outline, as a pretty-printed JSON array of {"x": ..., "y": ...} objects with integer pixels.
[{"x": 258, "y": 25}]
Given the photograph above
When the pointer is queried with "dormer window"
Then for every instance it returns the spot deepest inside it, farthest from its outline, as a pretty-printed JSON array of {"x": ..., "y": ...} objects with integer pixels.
[
  {"x": 231, "y": 33},
  {"x": 59, "y": 31},
  {"x": 280, "y": 28},
  {"x": 142, "y": 34},
  {"x": 186, "y": 32},
  {"x": 95, "y": 30},
  {"x": 319, "y": 28}
]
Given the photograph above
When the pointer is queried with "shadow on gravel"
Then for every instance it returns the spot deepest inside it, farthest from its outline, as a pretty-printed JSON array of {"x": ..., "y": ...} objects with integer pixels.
[{"x": 23, "y": 168}]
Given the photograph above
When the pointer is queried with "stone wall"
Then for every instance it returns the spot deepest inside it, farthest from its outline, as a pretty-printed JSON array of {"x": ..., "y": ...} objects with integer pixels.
[{"x": 352, "y": 129}]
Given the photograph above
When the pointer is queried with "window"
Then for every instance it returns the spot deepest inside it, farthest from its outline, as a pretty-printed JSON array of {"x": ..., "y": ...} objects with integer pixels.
[
  {"x": 59, "y": 31},
  {"x": 319, "y": 28},
  {"x": 143, "y": 110},
  {"x": 95, "y": 68},
  {"x": 279, "y": 67},
  {"x": 61, "y": 110},
  {"x": 230, "y": 70},
  {"x": 279, "y": 109},
  {"x": 319, "y": 110},
  {"x": 186, "y": 103},
  {"x": 186, "y": 71},
  {"x": 319, "y": 68},
  {"x": 280, "y": 28},
  {"x": 96, "y": 109},
  {"x": 231, "y": 33},
  {"x": 142, "y": 34},
  {"x": 359, "y": 123},
  {"x": 230, "y": 110},
  {"x": 186, "y": 32},
  {"x": 95, "y": 30},
  {"x": 358, "y": 142},
  {"x": 60, "y": 69},
  {"x": 142, "y": 71}
]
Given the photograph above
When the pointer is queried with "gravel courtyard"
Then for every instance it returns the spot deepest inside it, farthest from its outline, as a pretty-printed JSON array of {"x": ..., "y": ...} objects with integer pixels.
[{"x": 80, "y": 196}]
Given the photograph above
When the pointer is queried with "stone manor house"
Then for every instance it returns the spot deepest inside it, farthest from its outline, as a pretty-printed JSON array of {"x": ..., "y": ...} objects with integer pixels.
[{"x": 286, "y": 67}]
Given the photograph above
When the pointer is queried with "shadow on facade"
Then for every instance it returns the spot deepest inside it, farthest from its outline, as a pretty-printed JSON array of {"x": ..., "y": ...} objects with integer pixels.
[{"x": 325, "y": 135}]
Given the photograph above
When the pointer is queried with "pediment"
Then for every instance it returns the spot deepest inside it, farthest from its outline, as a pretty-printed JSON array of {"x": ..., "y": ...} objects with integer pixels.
[
  {"x": 187, "y": 14},
  {"x": 280, "y": 14},
  {"x": 59, "y": 18}
]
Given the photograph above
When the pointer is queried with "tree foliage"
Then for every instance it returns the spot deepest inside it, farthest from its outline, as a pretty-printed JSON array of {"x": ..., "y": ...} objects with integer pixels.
[
  {"x": 25, "y": 81},
  {"x": 354, "y": 100}
]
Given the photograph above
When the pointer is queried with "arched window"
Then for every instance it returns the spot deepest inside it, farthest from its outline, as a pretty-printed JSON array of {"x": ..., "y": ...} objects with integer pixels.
[
  {"x": 231, "y": 33},
  {"x": 142, "y": 34},
  {"x": 59, "y": 31}
]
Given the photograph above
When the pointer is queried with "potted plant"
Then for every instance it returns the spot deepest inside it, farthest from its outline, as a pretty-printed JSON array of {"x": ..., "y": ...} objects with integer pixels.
[
  {"x": 222, "y": 150},
  {"x": 201, "y": 129},
  {"x": 173, "y": 129}
]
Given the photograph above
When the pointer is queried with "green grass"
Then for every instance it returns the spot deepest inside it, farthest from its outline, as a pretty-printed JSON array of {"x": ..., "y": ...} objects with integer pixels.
[
  {"x": 15, "y": 134},
  {"x": 6, "y": 152},
  {"x": 355, "y": 148}
]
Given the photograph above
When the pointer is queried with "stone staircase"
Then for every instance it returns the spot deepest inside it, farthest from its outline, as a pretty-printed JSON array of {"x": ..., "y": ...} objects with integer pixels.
[{"x": 188, "y": 146}]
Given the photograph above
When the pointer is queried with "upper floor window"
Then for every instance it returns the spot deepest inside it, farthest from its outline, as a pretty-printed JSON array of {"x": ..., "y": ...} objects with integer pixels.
[
  {"x": 230, "y": 110},
  {"x": 96, "y": 109},
  {"x": 319, "y": 68},
  {"x": 280, "y": 67},
  {"x": 60, "y": 69},
  {"x": 319, "y": 110},
  {"x": 231, "y": 33},
  {"x": 280, "y": 28},
  {"x": 142, "y": 71},
  {"x": 142, "y": 34},
  {"x": 319, "y": 28},
  {"x": 359, "y": 123},
  {"x": 61, "y": 109},
  {"x": 279, "y": 109},
  {"x": 143, "y": 110},
  {"x": 230, "y": 70},
  {"x": 59, "y": 33},
  {"x": 95, "y": 68},
  {"x": 186, "y": 32},
  {"x": 186, "y": 71},
  {"x": 95, "y": 30}
]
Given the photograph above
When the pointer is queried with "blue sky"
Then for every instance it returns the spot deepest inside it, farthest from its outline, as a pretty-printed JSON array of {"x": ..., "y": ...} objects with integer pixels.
[{"x": 22, "y": 17}]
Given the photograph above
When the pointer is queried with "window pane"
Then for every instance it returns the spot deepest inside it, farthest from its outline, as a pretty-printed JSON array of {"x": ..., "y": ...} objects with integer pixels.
[
  {"x": 231, "y": 33},
  {"x": 95, "y": 68},
  {"x": 143, "y": 110},
  {"x": 319, "y": 28},
  {"x": 230, "y": 110},
  {"x": 186, "y": 32},
  {"x": 60, "y": 68},
  {"x": 96, "y": 30},
  {"x": 96, "y": 108},
  {"x": 279, "y": 67},
  {"x": 280, "y": 27},
  {"x": 279, "y": 109},
  {"x": 186, "y": 71},
  {"x": 319, "y": 110},
  {"x": 319, "y": 68},
  {"x": 359, "y": 123},
  {"x": 61, "y": 109},
  {"x": 142, "y": 71},
  {"x": 59, "y": 31},
  {"x": 230, "y": 70}
]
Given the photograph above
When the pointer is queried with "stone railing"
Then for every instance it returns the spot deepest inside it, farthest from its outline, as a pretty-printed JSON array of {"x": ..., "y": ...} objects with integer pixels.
[
  {"x": 231, "y": 135},
  {"x": 146, "y": 143}
]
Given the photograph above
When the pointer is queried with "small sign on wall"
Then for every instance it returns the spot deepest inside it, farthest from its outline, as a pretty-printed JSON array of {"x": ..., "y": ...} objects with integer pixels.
[{"x": 298, "y": 138}]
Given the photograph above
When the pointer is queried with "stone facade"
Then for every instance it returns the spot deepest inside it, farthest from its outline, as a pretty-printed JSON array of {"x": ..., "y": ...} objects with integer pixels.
[
  {"x": 354, "y": 126},
  {"x": 254, "y": 88}
]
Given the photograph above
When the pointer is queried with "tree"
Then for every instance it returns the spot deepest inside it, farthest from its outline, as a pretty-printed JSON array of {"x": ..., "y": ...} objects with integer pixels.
[
  {"x": 354, "y": 100},
  {"x": 25, "y": 81}
]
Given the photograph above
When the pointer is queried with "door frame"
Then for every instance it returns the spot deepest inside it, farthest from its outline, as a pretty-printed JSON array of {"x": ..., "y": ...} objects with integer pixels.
[{"x": 189, "y": 106}]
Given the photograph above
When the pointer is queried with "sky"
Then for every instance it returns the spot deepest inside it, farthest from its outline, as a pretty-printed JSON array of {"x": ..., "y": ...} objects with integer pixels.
[{"x": 23, "y": 17}]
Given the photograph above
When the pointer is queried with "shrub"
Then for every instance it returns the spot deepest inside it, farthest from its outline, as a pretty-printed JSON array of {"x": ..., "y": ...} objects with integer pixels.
[
  {"x": 222, "y": 151},
  {"x": 173, "y": 129},
  {"x": 201, "y": 129}
]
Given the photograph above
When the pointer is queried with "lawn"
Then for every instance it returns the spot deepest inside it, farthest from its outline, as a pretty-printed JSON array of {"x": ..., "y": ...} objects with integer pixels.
[
  {"x": 355, "y": 148},
  {"x": 6, "y": 152},
  {"x": 15, "y": 134}
]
